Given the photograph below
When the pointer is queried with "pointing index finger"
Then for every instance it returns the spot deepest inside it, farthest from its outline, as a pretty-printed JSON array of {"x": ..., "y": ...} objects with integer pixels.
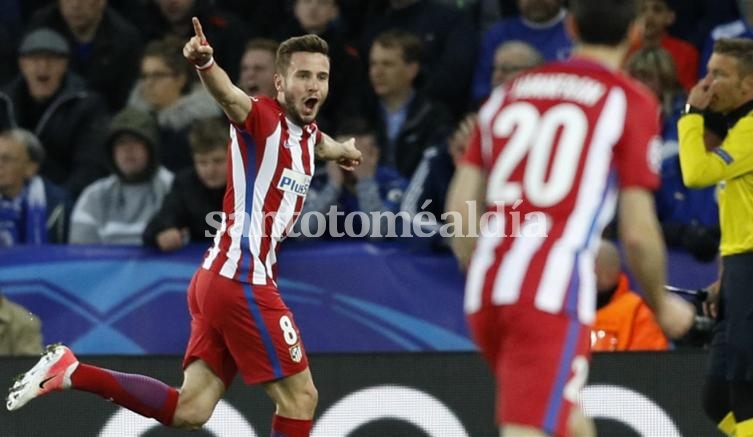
[{"x": 198, "y": 30}]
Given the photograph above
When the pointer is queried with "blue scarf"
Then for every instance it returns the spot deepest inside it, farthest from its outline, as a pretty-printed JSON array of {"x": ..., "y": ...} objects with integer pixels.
[{"x": 23, "y": 219}]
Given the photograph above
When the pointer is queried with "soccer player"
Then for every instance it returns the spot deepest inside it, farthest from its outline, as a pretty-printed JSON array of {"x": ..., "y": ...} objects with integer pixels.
[
  {"x": 553, "y": 153},
  {"x": 727, "y": 89},
  {"x": 239, "y": 322}
]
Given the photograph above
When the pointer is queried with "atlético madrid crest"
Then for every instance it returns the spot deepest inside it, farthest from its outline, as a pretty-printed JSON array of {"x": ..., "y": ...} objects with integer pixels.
[{"x": 296, "y": 354}]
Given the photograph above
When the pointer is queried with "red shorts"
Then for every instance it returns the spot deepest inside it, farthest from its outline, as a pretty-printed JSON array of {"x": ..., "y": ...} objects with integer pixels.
[
  {"x": 236, "y": 326},
  {"x": 540, "y": 361}
]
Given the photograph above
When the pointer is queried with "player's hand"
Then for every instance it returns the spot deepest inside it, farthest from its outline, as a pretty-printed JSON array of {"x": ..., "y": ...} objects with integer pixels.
[
  {"x": 197, "y": 50},
  {"x": 350, "y": 157},
  {"x": 711, "y": 305},
  {"x": 170, "y": 239},
  {"x": 675, "y": 315},
  {"x": 701, "y": 94}
]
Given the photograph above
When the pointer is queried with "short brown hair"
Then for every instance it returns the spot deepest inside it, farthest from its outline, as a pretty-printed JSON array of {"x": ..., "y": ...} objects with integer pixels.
[
  {"x": 307, "y": 43},
  {"x": 266, "y": 44},
  {"x": 409, "y": 43},
  {"x": 208, "y": 134},
  {"x": 740, "y": 49}
]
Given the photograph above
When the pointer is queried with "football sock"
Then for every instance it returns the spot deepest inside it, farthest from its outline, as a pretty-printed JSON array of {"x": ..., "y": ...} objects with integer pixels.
[
  {"x": 286, "y": 427},
  {"x": 140, "y": 394}
]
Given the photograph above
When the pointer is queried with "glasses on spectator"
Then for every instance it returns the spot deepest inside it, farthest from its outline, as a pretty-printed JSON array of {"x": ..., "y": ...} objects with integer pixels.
[{"x": 156, "y": 75}]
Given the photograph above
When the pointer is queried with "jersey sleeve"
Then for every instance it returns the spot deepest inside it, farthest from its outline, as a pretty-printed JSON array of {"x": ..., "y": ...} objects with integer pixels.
[
  {"x": 638, "y": 152},
  {"x": 472, "y": 155},
  {"x": 260, "y": 120}
]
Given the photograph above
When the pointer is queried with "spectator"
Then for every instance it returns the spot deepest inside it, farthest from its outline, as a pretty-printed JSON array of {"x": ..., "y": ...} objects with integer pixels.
[
  {"x": 55, "y": 104},
  {"x": 370, "y": 188},
  {"x": 657, "y": 17},
  {"x": 512, "y": 57},
  {"x": 257, "y": 77},
  {"x": 106, "y": 47},
  {"x": 167, "y": 88},
  {"x": 347, "y": 81},
  {"x": 116, "y": 209},
  {"x": 689, "y": 217},
  {"x": 32, "y": 210},
  {"x": 225, "y": 30},
  {"x": 21, "y": 331},
  {"x": 540, "y": 23},
  {"x": 408, "y": 121},
  {"x": 196, "y": 192},
  {"x": 449, "y": 49},
  {"x": 624, "y": 321}
]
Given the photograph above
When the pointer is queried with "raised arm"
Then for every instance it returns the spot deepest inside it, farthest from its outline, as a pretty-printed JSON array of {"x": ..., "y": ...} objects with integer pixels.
[
  {"x": 345, "y": 153},
  {"x": 232, "y": 100}
]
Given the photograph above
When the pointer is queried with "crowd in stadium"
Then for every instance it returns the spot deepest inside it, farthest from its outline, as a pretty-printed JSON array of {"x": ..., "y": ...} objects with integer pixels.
[{"x": 110, "y": 138}]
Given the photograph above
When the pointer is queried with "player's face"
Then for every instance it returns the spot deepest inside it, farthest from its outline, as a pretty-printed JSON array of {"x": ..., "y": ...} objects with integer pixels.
[
  {"x": 15, "y": 166},
  {"x": 130, "y": 154},
  {"x": 388, "y": 71},
  {"x": 43, "y": 73},
  {"x": 305, "y": 85},
  {"x": 258, "y": 73},
  {"x": 161, "y": 86},
  {"x": 656, "y": 17},
  {"x": 727, "y": 84},
  {"x": 80, "y": 14},
  {"x": 212, "y": 167}
]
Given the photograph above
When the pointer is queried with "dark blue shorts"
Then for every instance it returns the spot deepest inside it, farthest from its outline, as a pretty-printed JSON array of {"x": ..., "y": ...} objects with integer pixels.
[{"x": 731, "y": 352}]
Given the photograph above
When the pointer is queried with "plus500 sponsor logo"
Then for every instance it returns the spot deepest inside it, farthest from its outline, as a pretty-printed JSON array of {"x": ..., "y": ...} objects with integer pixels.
[{"x": 294, "y": 182}]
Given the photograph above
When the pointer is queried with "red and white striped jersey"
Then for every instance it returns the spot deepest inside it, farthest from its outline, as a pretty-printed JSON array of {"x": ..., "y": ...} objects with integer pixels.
[
  {"x": 557, "y": 143},
  {"x": 270, "y": 163}
]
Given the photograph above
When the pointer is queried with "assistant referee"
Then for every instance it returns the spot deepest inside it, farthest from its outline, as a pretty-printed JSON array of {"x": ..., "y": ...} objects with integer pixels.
[{"x": 727, "y": 89}]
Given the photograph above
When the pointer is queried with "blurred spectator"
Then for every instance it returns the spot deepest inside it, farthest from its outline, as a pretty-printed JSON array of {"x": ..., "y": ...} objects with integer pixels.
[
  {"x": 20, "y": 330},
  {"x": 511, "y": 58},
  {"x": 370, "y": 188},
  {"x": 167, "y": 88},
  {"x": 541, "y": 23},
  {"x": 116, "y": 209},
  {"x": 261, "y": 17},
  {"x": 449, "y": 48},
  {"x": 624, "y": 322},
  {"x": 32, "y": 210},
  {"x": 196, "y": 192},
  {"x": 696, "y": 18},
  {"x": 689, "y": 217},
  {"x": 257, "y": 77},
  {"x": 657, "y": 16},
  {"x": 106, "y": 47},
  {"x": 11, "y": 27},
  {"x": 55, "y": 104},
  {"x": 427, "y": 189},
  {"x": 347, "y": 82},
  {"x": 408, "y": 121},
  {"x": 739, "y": 28},
  {"x": 224, "y": 30}
]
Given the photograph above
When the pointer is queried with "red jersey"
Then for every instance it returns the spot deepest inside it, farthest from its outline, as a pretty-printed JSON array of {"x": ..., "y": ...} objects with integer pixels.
[
  {"x": 271, "y": 160},
  {"x": 556, "y": 143}
]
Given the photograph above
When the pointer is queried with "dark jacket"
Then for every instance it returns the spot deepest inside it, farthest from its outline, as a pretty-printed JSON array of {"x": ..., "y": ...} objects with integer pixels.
[
  {"x": 112, "y": 64},
  {"x": 71, "y": 129},
  {"x": 427, "y": 123},
  {"x": 186, "y": 206}
]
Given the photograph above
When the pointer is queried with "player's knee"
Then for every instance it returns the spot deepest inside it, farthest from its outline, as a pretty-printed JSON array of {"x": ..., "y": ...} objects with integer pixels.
[
  {"x": 300, "y": 403},
  {"x": 191, "y": 416}
]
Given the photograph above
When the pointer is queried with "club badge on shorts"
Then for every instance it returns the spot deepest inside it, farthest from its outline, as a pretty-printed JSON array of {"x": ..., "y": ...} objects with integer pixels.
[{"x": 296, "y": 353}]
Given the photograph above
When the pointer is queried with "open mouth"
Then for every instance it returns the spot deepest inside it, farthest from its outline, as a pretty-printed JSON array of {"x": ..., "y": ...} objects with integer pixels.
[{"x": 310, "y": 103}]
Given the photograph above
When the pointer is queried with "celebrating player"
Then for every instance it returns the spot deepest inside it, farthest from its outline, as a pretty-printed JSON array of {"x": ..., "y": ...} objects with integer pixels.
[
  {"x": 239, "y": 322},
  {"x": 551, "y": 150}
]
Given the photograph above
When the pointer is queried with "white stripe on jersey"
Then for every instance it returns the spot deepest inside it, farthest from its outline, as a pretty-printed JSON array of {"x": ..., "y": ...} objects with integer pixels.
[
  {"x": 267, "y": 168},
  {"x": 215, "y": 249},
  {"x": 239, "y": 204},
  {"x": 513, "y": 268},
  {"x": 482, "y": 260},
  {"x": 486, "y": 113},
  {"x": 559, "y": 267}
]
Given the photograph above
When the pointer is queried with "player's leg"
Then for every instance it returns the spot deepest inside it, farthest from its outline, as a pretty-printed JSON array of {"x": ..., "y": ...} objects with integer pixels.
[
  {"x": 521, "y": 431},
  {"x": 199, "y": 394},
  {"x": 580, "y": 425},
  {"x": 59, "y": 369},
  {"x": 295, "y": 397}
]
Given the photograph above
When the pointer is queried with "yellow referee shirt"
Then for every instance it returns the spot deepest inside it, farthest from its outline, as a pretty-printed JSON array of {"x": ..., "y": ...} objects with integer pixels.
[{"x": 730, "y": 168}]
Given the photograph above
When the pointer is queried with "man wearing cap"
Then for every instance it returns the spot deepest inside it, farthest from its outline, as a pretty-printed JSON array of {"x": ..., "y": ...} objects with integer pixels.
[
  {"x": 105, "y": 47},
  {"x": 56, "y": 106}
]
